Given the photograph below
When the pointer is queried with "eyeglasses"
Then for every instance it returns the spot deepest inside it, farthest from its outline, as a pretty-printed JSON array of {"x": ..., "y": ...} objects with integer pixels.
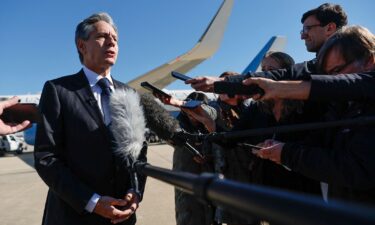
[{"x": 307, "y": 28}]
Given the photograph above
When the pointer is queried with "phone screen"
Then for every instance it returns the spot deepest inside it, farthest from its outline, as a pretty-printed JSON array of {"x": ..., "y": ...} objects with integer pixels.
[{"x": 21, "y": 112}]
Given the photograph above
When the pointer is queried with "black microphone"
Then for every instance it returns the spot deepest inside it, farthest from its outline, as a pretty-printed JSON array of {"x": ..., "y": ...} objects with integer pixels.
[
  {"x": 92, "y": 101},
  {"x": 236, "y": 88},
  {"x": 158, "y": 119},
  {"x": 164, "y": 125}
]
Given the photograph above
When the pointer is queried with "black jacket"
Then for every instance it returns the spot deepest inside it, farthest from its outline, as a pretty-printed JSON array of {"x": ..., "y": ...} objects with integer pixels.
[{"x": 345, "y": 159}]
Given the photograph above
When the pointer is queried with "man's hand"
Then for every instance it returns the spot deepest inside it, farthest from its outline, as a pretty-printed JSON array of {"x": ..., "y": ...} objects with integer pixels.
[
  {"x": 169, "y": 100},
  {"x": 271, "y": 150},
  {"x": 199, "y": 114},
  {"x": 205, "y": 84},
  {"x": 11, "y": 128},
  {"x": 132, "y": 203},
  {"x": 267, "y": 85},
  {"x": 284, "y": 89},
  {"x": 108, "y": 207}
]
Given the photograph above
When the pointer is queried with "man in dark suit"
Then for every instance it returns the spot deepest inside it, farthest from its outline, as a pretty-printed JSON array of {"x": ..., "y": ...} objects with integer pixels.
[{"x": 73, "y": 154}]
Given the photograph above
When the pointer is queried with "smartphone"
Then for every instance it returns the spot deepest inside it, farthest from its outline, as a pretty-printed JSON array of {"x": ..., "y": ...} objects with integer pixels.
[
  {"x": 192, "y": 104},
  {"x": 21, "y": 112},
  {"x": 154, "y": 89},
  {"x": 180, "y": 76}
]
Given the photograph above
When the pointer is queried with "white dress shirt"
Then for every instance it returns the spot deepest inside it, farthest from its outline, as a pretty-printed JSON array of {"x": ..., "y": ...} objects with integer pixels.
[{"x": 93, "y": 78}]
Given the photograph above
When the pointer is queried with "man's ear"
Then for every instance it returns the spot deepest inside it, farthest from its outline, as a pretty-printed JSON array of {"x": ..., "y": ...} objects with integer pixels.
[
  {"x": 370, "y": 64},
  {"x": 331, "y": 28},
  {"x": 81, "y": 46}
]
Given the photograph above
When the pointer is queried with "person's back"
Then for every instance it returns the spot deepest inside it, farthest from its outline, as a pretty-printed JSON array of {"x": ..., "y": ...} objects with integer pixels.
[{"x": 188, "y": 210}]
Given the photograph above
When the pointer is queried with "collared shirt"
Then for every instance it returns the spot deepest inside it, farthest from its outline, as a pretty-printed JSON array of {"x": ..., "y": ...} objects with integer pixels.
[{"x": 93, "y": 78}]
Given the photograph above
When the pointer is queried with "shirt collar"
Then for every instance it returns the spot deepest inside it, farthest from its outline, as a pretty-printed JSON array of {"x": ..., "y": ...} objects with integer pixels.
[{"x": 93, "y": 77}]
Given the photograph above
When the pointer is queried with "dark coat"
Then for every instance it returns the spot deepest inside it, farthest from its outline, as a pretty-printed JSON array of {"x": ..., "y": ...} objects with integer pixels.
[
  {"x": 73, "y": 152},
  {"x": 346, "y": 158}
]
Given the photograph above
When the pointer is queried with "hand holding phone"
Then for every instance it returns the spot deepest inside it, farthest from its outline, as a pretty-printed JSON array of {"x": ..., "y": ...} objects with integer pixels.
[
  {"x": 192, "y": 104},
  {"x": 180, "y": 76},
  {"x": 154, "y": 89},
  {"x": 20, "y": 112}
]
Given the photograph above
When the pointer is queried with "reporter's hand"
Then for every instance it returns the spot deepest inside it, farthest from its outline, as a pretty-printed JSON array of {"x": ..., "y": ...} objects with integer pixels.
[
  {"x": 201, "y": 116},
  {"x": 268, "y": 86},
  {"x": 6, "y": 128},
  {"x": 106, "y": 207},
  {"x": 205, "y": 84},
  {"x": 132, "y": 203},
  {"x": 271, "y": 150}
]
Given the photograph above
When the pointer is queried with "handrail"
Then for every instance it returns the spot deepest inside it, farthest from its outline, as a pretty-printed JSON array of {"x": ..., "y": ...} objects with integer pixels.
[{"x": 277, "y": 206}]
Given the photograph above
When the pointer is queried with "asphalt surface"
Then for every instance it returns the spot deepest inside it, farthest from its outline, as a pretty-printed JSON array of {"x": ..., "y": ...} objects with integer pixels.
[{"x": 23, "y": 193}]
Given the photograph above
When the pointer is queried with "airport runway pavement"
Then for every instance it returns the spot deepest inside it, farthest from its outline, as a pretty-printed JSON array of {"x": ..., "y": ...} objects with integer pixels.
[{"x": 23, "y": 193}]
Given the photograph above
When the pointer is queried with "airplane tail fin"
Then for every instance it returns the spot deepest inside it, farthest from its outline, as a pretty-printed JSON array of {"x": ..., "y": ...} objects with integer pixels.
[
  {"x": 276, "y": 43},
  {"x": 205, "y": 48}
]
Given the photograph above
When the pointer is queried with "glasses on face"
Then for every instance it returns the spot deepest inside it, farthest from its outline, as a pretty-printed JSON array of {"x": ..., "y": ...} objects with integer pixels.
[{"x": 307, "y": 28}]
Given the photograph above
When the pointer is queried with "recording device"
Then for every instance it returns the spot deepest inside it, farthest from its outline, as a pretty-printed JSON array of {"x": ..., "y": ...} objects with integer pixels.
[
  {"x": 127, "y": 132},
  {"x": 236, "y": 88},
  {"x": 163, "y": 124},
  {"x": 154, "y": 89},
  {"x": 191, "y": 104},
  {"x": 21, "y": 112},
  {"x": 180, "y": 76}
]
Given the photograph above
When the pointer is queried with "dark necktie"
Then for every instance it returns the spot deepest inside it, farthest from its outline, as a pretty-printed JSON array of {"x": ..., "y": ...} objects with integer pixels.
[{"x": 104, "y": 84}]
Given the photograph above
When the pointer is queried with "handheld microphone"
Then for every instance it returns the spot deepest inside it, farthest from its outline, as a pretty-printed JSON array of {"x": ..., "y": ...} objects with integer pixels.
[
  {"x": 163, "y": 124},
  {"x": 158, "y": 119},
  {"x": 128, "y": 129},
  {"x": 236, "y": 88}
]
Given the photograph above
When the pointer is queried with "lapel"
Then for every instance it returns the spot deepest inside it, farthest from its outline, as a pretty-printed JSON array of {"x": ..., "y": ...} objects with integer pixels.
[{"x": 87, "y": 98}]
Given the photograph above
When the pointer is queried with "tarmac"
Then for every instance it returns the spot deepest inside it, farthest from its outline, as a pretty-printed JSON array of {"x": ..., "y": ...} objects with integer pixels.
[{"x": 23, "y": 193}]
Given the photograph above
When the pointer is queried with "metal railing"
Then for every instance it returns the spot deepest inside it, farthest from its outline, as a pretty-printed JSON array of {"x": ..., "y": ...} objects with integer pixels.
[{"x": 273, "y": 205}]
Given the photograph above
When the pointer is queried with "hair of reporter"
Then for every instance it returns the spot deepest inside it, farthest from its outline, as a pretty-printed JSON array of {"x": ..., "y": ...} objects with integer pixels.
[
  {"x": 283, "y": 59},
  {"x": 328, "y": 13},
  {"x": 158, "y": 119},
  {"x": 355, "y": 43}
]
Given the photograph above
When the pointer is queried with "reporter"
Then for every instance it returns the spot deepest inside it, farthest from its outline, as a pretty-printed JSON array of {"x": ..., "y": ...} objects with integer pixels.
[
  {"x": 345, "y": 160},
  {"x": 6, "y": 128}
]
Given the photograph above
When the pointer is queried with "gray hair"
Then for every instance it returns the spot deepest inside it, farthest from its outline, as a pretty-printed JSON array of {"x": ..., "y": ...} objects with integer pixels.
[{"x": 85, "y": 27}]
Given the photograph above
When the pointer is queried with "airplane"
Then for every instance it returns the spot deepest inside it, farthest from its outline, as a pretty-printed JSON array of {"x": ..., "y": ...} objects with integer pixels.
[{"x": 160, "y": 77}]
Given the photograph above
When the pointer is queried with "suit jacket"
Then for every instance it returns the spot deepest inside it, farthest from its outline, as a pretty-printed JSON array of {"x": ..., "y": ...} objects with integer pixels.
[{"x": 73, "y": 152}]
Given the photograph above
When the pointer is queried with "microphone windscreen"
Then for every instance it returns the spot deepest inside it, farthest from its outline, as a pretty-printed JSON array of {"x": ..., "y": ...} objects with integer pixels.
[
  {"x": 128, "y": 124},
  {"x": 158, "y": 119}
]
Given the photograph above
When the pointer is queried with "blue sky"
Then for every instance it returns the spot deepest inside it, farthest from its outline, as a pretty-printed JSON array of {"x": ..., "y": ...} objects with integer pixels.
[{"x": 37, "y": 37}]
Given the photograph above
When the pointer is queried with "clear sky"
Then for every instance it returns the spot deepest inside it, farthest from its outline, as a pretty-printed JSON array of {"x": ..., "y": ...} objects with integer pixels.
[{"x": 37, "y": 37}]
